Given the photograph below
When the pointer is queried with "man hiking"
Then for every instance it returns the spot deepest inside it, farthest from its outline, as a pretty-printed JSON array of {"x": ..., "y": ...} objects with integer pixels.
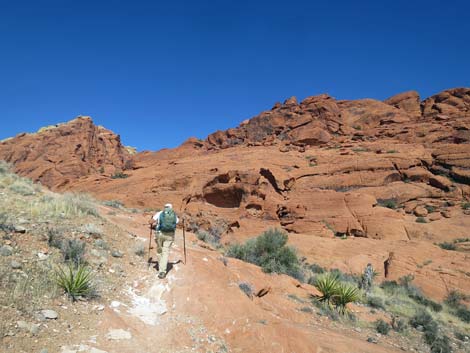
[{"x": 164, "y": 223}]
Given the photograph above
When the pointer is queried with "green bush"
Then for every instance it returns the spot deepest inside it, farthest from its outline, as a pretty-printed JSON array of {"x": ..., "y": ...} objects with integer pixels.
[
  {"x": 430, "y": 208},
  {"x": 421, "y": 220},
  {"x": 454, "y": 299},
  {"x": 119, "y": 175},
  {"x": 466, "y": 206},
  {"x": 382, "y": 327},
  {"x": 73, "y": 250},
  {"x": 463, "y": 314},
  {"x": 270, "y": 252},
  {"x": 389, "y": 287},
  {"x": 75, "y": 281},
  {"x": 5, "y": 167},
  {"x": 389, "y": 203},
  {"x": 441, "y": 344},
  {"x": 447, "y": 246},
  {"x": 315, "y": 268},
  {"x": 375, "y": 302},
  {"x": 55, "y": 238}
]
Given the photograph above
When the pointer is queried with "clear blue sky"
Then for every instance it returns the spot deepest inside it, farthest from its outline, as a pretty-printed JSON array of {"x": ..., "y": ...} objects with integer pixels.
[{"x": 157, "y": 72}]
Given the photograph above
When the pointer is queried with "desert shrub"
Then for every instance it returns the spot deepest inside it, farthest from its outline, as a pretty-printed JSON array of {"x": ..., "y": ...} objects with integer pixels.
[
  {"x": 5, "y": 167},
  {"x": 68, "y": 205},
  {"x": 270, "y": 251},
  {"x": 430, "y": 208},
  {"x": 375, "y": 302},
  {"x": 454, "y": 299},
  {"x": 5, "y": 224},
  {"x": 119, "y": 175},
  {"x": 382, "y": 327},
  {"x": 76, "y": 281},
  {"x": 27, "y": 291},
  {"x": 315, "y": 268},
  {"x": 465, "y": 205},
  {"x": 406, "y": 280},
  {"x": 326, "y": 310},
  {"x": 139, "y": 249},
  {"x": 463, "y": 314},
  {"x": 212, "y": 238},
  {"x": 55, "y": 238},
  {"x": 246, "y": 288},
  {"x": 398, "y": 324},
  {"x": 101, "y": 244},
  {"x": 447, "y": 246},
  {"x": 441, "y": 345},
  {"x": 389, "y": 203},
  {"x": 113, "y": 203},
  {"x": 23, "y": 187},
  {"x": 389, "y": 287},
  {"x": 346, "y": 277},
  {"x": 461, "y": 336},
  {"x": 421, "y": 220},
  {"x": 430, "y": 328},
  {"x": 73, "y": 251}
]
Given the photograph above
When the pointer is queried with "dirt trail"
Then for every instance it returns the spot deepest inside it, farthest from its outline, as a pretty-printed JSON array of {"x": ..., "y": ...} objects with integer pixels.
[{"x": 199, "y": 308}]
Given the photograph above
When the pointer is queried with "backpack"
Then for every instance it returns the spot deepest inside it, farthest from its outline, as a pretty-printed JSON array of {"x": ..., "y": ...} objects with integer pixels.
[{"x": 167, "y": 221}]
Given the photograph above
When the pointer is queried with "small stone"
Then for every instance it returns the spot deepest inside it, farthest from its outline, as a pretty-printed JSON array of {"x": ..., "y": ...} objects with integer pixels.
[
  {"x": 34, "y": 329},
  {"x": 6, "y": 250},
  {"x": 446, "y": 214},
  {"x": 19, "y": 229},
  {"x": 42, "y": 256},
  {"x": 49, "y": 314},
  {"x": 16, "y": 265},
  {"x": 116, "y": 253},
  {"x": 435, "y": 216},
  {"x": 357, "y": 329},
  {"x": 420, "y": 328},
  {"x": 118, "y": 334},
  {"x": 420, "y": 211},
  {"x": 23, "y": 325},
  {"x": 372, "y": 340}
]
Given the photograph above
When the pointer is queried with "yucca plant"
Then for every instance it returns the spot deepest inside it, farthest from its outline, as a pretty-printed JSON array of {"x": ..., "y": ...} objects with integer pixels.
[
  {"x": 345, "y": 293},
  {"x": 76, "y": 281},
  {"x": 328, "y": 286}
]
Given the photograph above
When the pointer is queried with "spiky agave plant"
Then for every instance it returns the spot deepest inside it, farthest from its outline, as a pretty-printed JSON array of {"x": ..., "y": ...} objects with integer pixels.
[
  {"x": 328, "y": 285},
  {"x": 345, "y": 294},
  {"x": 76, "y": 281}
]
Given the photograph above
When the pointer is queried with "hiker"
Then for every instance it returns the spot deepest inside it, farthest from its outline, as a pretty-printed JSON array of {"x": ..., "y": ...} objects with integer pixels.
[{"x": 164, "y": 222}]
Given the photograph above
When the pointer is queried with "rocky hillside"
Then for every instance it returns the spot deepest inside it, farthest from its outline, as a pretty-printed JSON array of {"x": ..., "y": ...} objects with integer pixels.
[{"x": 59, "y": 154}]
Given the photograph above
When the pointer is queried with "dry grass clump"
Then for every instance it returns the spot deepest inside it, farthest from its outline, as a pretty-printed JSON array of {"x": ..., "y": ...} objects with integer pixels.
[
  {"x": 27, "y": 289},
  {"x": 68, "y": 205}
]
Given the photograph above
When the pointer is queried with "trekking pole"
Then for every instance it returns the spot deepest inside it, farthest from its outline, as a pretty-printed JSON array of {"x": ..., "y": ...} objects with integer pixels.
[
  {"x": 150, "y": 245},
  {"x": 184, "y": 242}
]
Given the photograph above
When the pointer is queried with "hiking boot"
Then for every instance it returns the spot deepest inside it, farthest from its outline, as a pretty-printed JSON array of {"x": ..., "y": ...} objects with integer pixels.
[{"x": 161, "y": 275}]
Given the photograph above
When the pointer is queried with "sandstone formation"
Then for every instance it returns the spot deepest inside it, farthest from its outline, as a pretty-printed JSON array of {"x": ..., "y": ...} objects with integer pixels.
[
  {"x": 60, "y": 154},
  {"x": 319, "y": 168}
]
